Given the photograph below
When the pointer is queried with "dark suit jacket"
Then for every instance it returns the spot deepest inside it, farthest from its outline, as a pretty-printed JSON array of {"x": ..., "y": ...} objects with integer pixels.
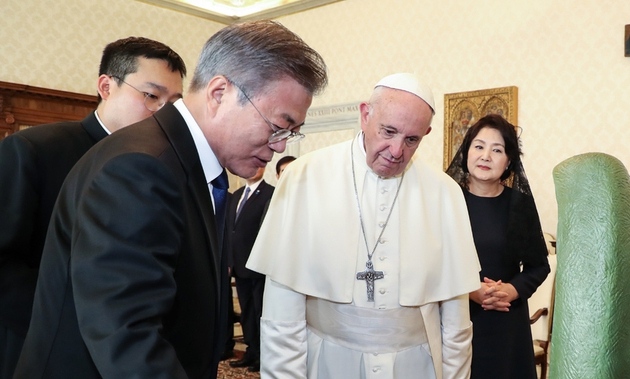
[
  {"x": 130, "y": 278},
  {"x": 242, "y": 232},
  {"x": 33, "y": 165}
]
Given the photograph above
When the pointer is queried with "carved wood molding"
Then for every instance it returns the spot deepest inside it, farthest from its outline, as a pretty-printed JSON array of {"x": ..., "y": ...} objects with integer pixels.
[{"x": 22, "y": 106}]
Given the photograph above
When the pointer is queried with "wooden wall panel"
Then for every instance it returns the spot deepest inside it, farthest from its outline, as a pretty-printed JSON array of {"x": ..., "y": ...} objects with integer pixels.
[{"x": 23, "y": 106}]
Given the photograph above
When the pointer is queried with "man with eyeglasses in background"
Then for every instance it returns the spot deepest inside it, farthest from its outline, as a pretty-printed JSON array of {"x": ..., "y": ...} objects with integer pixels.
[
  {"x": 133, "y": 282},
  {"x": 136, "y": 77}
]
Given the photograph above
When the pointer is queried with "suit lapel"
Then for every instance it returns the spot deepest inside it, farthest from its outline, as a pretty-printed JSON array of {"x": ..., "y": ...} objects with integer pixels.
[
  {"x": 176, "y": 130},
  {"x": 260, "y": 189},
  {"x": 251, "y": 200}
]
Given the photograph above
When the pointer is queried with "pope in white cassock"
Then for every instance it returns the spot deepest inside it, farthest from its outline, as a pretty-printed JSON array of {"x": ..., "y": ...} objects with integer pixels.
[{"x": 368, "y": 254}]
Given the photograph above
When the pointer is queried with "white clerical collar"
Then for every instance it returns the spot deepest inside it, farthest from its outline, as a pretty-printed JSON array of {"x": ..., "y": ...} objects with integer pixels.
[
  {"x": 361, "y": 140},
  {"x": 101, "y": 122},
  {"x": 209, "y": 162}
]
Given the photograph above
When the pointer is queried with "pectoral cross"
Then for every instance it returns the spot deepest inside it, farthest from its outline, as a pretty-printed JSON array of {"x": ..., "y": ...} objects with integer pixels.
[{"x": 369, "y": 275}]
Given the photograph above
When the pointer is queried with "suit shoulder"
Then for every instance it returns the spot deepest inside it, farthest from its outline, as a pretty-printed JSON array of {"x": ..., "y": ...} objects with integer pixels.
[
  {"x": 48, "y": 133},
  {"x": 49, "y": 144},
  {"x": 266, "y": 186}
]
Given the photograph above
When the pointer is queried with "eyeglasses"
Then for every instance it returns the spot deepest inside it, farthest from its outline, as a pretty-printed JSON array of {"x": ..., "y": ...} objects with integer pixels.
[
  {"x": 151, "y": 102},
  {"x": 279, "y": 133}
]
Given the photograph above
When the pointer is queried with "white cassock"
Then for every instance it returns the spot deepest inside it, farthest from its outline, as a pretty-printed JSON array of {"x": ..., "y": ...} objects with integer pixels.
[{"x": 317, "y": 321}]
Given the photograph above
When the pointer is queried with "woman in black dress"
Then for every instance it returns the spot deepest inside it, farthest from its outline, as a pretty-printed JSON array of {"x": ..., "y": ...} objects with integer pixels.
[{"x": 510, "y": 246}]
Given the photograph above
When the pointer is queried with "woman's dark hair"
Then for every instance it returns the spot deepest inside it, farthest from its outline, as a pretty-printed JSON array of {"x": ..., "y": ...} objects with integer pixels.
[{"x": 510, "y": 138}]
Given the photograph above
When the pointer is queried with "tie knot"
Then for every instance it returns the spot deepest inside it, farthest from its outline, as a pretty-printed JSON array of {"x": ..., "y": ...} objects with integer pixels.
[{"x": 221, "y": 181}]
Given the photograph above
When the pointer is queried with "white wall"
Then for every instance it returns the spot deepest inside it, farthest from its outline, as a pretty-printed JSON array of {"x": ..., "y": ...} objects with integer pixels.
[{"x": 58, "y": 44}]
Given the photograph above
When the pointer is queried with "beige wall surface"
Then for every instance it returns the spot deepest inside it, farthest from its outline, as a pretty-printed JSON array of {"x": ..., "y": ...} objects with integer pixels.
[
  {"x": 58, "y": 44},
  {"x": 565, "y": 57}
]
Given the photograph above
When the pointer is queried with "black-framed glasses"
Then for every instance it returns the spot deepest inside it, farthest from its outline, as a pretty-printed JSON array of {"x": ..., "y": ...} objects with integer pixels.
[
  {"x": 151, "y": 101},
  {"x": 279, "y": 133}
]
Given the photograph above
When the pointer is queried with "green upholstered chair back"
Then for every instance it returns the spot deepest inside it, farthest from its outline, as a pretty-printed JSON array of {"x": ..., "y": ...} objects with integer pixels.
[{"x": 591, "y": 325}]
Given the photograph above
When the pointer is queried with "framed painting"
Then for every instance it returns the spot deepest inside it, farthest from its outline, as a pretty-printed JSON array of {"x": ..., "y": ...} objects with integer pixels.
[{"x": 463, "y": 109}]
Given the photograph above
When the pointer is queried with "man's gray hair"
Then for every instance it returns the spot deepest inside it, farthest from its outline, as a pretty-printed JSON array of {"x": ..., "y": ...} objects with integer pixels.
[{"x": 253, "y": 54}]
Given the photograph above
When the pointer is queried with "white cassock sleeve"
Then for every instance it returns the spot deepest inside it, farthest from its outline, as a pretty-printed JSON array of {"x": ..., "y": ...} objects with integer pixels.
[
  {"x": 282, "y": 333},
  {"x": 456, "y": 338}
]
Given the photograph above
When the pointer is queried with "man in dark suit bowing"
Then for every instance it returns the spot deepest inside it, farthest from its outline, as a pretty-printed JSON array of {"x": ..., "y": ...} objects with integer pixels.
[
  {"x": 132, "y": 281},
  {"x": 245, "y": 214},
  {"x": 136, "y": 77}
]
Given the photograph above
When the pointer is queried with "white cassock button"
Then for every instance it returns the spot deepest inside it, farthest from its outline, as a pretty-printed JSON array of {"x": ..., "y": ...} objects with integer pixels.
[
  {"x": 381, "y": 224},
  {"x": 375, "y": 369},
  {"x": 382, "y": 291},
  {"x": 382, "y": 258},
  {"x": 382, "y": 240},
  {"x": 383, "y": 207}
]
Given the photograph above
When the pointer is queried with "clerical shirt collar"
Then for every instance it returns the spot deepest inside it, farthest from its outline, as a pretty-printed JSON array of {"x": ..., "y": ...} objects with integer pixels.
[
  {"x": 101, "y": 122},
  {"x": 361, "y": 139},
  {"x": 209, "y": 162}
]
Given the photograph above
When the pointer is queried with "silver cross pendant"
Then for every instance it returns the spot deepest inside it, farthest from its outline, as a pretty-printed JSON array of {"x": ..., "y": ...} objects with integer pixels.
[{"x": 369, "y": 275}]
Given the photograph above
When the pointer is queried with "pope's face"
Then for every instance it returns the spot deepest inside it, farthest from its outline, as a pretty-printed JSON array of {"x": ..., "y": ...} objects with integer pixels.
[{"x": 393, "y": 123}]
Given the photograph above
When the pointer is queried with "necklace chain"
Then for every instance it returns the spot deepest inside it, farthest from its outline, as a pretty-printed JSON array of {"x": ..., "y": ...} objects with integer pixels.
[{"x": 356, "y": 193}]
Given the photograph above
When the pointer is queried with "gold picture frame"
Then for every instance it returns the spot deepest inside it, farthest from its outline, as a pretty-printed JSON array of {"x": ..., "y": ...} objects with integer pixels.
[{"x": 463, "y": 109}]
